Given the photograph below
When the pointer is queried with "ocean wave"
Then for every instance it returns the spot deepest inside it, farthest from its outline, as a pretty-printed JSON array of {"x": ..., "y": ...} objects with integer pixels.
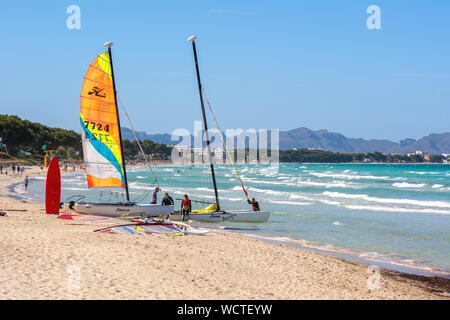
[
  {"x": 269, "y": 191},
  {"x": 352, "y": 177},
  {"x": 297, "y": 196},
  {"x": 204, "y": 189},
  {"x": 292, "y": 203},
  {"x": 391, "y": 259},
  {"x": 438, "y": 204},
  {"x": 422, "y": 172},
  {"x": 396, "y": 209},
  {"x": 333, "y": 184},
  {"x": 140, "y": 185},
  {"x": 408, "y": 185},
  {"x": 331, "y": 203}
]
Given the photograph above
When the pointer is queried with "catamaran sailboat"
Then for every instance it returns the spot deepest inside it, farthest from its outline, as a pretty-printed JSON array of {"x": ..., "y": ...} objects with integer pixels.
[
  {"x": 214, "y": 213},
  {"x": 102, "y": 143}
]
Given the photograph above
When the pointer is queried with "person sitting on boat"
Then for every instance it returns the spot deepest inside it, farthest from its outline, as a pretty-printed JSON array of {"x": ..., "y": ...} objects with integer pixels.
[
  {"x": 186, "y": 206},
  {"x": 155, "y": 196},
  {"x": 254, "y": 203},
  {"x": 167, "y": 200}
]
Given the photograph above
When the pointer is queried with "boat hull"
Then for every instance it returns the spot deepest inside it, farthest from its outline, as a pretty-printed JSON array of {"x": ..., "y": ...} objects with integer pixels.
[
  {"x": 228, "y": 216},
  {"x": 119, "y": 210}
]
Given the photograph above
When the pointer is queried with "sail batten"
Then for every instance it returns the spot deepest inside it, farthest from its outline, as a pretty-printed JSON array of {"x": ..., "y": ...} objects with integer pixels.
[{"x": 100, "y": 129}]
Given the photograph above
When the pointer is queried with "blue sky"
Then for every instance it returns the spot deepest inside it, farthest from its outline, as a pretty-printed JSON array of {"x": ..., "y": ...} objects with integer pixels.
[{"x": 264, "y": 64}]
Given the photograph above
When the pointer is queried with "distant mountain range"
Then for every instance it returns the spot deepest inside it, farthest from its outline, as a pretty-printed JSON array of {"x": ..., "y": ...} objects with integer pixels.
[{"x": 331, "y": 141}]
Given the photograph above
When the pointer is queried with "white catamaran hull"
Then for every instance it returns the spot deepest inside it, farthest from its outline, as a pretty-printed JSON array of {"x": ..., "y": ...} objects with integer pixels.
[
  {"x": 119, "y": 210},
  {"x": 228, "y": 216}
]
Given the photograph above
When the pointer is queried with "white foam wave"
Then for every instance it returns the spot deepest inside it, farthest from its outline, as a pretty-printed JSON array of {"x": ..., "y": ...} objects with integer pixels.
[
  {"x": 421, "y": 203},
  {"x": 334, "y": 184},
  {"x": 331, "y": 203},
  {"x": 352, "y": 176},
  {"x": 397, "y": 209},
  {"x": 293, "y": 203},
  {"x": 264, "y": 191},
  {"x": 205, "y": 189},
  {"x": 297, "y": 196},
  {"x": 408, "y": 185}
]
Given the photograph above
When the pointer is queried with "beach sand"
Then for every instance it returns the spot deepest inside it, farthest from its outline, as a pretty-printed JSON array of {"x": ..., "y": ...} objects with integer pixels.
[{"x": 41, "y": 256}]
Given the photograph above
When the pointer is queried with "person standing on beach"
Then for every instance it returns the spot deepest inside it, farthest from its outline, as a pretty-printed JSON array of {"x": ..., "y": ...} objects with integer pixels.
[
  {"x": 26, "y": 182},
  {"x": 155, "y": 196},
  {"x": 22, "y": 169},
  {"x": 14, "y": 170},
  {"x": 1, "y": 169},
  {"x": 186, "y": 206}
]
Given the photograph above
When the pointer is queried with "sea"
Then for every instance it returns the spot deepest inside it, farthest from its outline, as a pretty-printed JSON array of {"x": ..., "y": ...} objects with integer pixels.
[{"x": 394, "y": 215}]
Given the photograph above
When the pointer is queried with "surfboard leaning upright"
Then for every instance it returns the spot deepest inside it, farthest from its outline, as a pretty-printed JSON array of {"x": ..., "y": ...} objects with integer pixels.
[{"x": 53, "y": 188}]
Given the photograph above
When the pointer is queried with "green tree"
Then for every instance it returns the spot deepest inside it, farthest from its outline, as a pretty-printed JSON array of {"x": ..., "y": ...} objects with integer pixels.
[{"x": 61, "y": 152}]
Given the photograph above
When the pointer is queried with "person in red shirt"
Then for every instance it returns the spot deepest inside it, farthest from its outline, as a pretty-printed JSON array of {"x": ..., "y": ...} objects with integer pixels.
[
  {"x": 254, "y": 203},
  {"x": 186, "y": 207}
]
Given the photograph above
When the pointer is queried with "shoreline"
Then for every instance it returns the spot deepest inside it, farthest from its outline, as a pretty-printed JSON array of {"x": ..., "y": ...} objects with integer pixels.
[
  {"x": 338, "y": 252},
  {"x": 332, "y": 277},
  {"x": 342, "y": 253}
]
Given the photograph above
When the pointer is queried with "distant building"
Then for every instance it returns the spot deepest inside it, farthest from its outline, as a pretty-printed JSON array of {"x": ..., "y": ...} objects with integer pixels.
[
  {"x": 446, "y": 159},
  {"x": 185, "y": 154},
  {"x": 417, "y": 153}
]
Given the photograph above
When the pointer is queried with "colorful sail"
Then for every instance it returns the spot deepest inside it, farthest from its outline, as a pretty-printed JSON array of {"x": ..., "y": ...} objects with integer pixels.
[{"x": 99, "y": 123}]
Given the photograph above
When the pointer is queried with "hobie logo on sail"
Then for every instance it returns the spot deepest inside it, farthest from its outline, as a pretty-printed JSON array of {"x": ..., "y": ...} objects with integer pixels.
[{"x": 97, "y": 92}]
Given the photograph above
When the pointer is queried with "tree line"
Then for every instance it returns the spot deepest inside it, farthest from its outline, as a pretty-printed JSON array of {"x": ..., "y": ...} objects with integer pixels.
[
  {"x": 25, "y": 140},
  {"x": 320, "y": 156}
]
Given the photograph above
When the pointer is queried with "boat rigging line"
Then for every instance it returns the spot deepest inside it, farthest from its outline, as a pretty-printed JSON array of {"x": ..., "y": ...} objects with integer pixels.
[{"x": 225, "y": 145}]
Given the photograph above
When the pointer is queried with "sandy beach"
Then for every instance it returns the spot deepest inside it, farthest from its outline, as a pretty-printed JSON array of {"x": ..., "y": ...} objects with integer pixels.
[{"x": 41, "y": 255}]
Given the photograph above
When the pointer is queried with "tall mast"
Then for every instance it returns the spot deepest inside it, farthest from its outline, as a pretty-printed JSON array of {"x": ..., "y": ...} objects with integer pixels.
[
  {"x": 192, "y": 39},
  {"x": 109, "y": 45}
]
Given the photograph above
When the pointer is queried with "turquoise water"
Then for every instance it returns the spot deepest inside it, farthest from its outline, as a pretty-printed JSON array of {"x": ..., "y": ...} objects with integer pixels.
[{"x": 394, "y": 213}]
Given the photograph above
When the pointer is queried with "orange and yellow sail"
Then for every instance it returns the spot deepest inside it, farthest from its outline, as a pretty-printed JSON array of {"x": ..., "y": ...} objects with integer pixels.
[{"x": 99, "y": 123}]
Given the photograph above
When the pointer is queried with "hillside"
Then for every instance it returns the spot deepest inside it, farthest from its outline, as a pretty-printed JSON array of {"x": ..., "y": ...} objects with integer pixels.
[
  {"x": 23, "y": 137},
  {"x": 336, "y": 142},
  {"x": 304, "y": 138}
]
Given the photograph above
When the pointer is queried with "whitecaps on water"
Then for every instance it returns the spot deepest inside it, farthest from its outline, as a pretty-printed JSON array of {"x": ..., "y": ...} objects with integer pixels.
[
  {"x": 438, "y": 204},
  {"x": 396, "y": 209},
  {"x": 408, "y": 185},
  {"x": 352, "y": 177},
  {"x": 291, "y": 203}
]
